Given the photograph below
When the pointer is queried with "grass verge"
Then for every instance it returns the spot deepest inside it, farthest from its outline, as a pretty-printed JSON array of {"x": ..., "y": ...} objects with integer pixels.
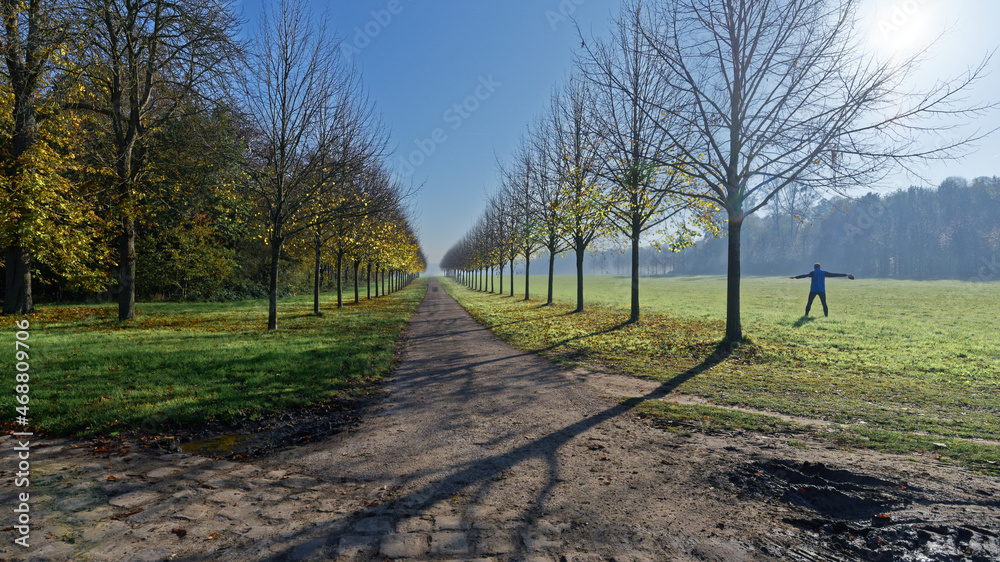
[
  {"x": 189, "y": 363},
  {"x": 951, "y": 415}
]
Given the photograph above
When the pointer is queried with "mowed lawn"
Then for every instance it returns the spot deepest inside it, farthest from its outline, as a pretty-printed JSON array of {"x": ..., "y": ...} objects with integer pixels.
[
  {"x": 189, "y": 362},
  {"x": 900, "y": 365}
]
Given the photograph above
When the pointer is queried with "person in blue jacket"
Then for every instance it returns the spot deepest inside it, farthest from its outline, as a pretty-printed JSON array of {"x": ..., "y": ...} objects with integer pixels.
[{"x": 818, "y": 286}]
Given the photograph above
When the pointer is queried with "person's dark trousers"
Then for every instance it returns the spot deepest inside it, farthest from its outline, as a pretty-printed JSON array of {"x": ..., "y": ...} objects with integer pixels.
[{"x": 822, "y": 299}]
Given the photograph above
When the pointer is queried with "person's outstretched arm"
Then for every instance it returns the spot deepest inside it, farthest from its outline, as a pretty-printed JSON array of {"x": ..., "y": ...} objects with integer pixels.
[
  {"x": 803, "y": 276},
  {"x": 848, "y": 275}
]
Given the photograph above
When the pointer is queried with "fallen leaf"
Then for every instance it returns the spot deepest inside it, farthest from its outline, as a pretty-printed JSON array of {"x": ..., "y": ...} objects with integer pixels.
[
  {"x": 180, "y": 532},
  {"x": 212, "y": 536},
  {"x": 112, "y": 478}
]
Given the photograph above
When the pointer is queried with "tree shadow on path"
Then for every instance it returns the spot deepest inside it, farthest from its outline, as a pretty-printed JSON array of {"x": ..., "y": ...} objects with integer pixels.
[{"x": 475, "y": 479}]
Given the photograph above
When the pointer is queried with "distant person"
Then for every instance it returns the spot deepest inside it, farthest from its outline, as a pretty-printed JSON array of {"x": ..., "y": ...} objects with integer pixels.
[{"x": 818, "y": 286}]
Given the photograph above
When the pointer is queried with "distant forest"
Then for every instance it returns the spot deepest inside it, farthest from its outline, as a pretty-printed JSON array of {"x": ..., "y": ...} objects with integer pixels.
[{"x": 951, "y": 232}]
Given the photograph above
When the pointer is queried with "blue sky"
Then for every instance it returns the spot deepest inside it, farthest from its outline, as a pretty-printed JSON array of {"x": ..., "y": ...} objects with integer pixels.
[{"x": 458, "y": 80}]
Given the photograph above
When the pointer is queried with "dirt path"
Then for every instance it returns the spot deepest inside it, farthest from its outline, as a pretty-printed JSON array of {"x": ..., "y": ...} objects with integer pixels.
[{"x": 481, "y": 452}]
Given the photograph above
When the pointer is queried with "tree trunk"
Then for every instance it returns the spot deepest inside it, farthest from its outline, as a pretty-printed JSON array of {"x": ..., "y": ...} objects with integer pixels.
[
  {"x": 552, "y": 270},
  {"x": 17, "y": 291},
  {"x": 368, "y": 280},
  {"x": 512, "y": 277},
  {"x": 317, "y": 266},
  {"x": 17, "y": 259},
  {"x": 634, "y": 315},
  {"x": 340, "y": 276},
  {"x": 734, "y": 331},
  {"x": 126, "y": 270},
  {"x": 527, "y": 277},
  {"x": 357, "y": 290},
  {"x": 500, "y": 271},
  {"x": 382, "y": 275},
  {"x": 579, "y": 277},
  {"x": 272, "y": 293}
]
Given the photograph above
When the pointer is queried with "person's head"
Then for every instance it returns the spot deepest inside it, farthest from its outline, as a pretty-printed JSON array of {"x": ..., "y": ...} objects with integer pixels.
[{"x": 816, "y": 265}]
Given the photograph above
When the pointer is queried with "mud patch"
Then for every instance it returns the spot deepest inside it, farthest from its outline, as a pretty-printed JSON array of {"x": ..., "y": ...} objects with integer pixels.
[
  {"x": 862, "y": 516},
  {"x": 814, "y": 486},
  {"x": 247, "y": 438}
]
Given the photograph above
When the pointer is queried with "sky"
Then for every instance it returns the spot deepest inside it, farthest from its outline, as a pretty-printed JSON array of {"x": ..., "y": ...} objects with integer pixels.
[{"x": 457, "y": 82}]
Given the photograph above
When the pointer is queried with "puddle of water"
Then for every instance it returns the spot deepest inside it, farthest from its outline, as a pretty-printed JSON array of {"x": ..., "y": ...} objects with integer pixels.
[{"x": 218, "y": 446}]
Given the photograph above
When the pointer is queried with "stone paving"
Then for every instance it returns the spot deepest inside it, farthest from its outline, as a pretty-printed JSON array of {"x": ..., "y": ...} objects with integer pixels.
[{"x": 182, "y": 506}]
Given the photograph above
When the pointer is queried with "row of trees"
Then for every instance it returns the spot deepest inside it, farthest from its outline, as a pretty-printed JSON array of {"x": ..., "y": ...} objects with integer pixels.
[
  {"x": 691, "y": 107},
  {"x": 146, "y": 125}
]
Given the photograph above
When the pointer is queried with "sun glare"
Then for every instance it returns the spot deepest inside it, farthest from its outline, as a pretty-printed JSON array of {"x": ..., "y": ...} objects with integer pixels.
[{"x": 900, "y": 28}]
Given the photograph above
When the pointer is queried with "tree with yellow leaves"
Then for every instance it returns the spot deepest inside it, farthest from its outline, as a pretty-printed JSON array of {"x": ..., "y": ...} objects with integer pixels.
[{"x": 48, "y": 218}]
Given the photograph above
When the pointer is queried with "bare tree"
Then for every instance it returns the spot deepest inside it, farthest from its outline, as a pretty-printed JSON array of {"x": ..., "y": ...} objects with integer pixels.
[
  {"x": 547, "y": 198},
  {"x": 501, "y": 214},
  {"x": 520, "y": 178},
  {"x": 575, "y": 162},
  {"x": 310, "y": 127},
  {"x": 768, "y": 94},
  {"x": 627, "y": 90}
]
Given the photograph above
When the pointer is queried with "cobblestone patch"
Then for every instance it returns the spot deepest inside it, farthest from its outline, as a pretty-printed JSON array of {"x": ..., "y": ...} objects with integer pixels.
[{"x": 404, "y": 545}]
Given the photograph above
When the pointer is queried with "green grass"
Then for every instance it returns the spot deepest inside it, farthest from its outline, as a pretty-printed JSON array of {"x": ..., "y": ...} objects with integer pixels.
[
  {"x": 673, "y": 416},
  {"x": 900, "y": 364},
  {"x": 189, "y": 362}
]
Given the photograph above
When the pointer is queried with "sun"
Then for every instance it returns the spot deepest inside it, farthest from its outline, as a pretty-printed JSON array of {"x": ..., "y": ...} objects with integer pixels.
[{"x": 900, "y": 28}]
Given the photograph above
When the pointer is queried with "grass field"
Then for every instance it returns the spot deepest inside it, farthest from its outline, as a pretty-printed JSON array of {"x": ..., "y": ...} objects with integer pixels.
[
  {"x": 188, "y": 362},
  {"x": 900, "y": 365}
]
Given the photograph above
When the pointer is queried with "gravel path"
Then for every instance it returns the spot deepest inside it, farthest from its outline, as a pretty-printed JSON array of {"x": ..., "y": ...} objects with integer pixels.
[{"x": 481, "y": 452}]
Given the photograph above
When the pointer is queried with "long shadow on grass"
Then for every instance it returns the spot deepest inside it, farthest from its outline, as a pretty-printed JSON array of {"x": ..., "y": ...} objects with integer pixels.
[{"x": 560, "y": 343}]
